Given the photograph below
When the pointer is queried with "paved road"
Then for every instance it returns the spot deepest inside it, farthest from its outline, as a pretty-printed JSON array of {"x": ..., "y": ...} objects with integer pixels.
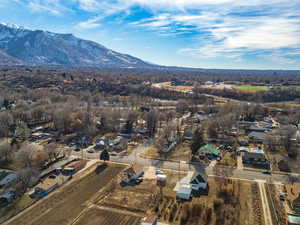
[{"x": 233, "y": 173}]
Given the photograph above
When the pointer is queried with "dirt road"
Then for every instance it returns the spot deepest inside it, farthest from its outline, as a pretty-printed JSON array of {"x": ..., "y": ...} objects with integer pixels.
[{"x": 265, "y": 203}]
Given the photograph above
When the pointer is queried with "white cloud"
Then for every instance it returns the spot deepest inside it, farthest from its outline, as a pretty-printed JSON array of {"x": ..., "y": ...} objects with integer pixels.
[
  {"x": 220, "y": 28},
  {"x": 89, "y": 24},
  {"x": 54, "y": 7}
]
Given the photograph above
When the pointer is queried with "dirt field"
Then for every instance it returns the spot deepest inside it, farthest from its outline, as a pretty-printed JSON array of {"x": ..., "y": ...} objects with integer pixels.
[
  {"x": 167, "y": 85},
  {"x": 181, "y": 153},
  {"x": 95, "y": 216},
  {"x": 218, "y": 86},
  {"x": 64, "y": 206},
  {"x": 135, "y": 199}
]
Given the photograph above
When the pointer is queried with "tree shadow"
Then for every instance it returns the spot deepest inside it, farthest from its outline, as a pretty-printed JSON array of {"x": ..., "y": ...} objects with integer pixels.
[{"x": 101, "y": 168}]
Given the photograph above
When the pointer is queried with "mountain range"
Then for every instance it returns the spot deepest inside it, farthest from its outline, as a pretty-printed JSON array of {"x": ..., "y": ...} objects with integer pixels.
[{"x": 21, "y": 46}]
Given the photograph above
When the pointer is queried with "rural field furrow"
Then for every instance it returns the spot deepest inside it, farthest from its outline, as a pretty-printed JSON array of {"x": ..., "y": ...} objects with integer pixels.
[{"x": 65, "y": 205}]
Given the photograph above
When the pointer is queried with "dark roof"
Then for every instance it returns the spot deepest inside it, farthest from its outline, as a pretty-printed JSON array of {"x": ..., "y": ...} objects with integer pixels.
[
  {"x": 258, "y": 129},
  {"x": 257, "y": 135},
  {"x": 252, "y": 155}
]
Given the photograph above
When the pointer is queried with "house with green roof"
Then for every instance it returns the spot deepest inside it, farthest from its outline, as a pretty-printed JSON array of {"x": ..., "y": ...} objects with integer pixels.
[{"x": 209, "y": 150}]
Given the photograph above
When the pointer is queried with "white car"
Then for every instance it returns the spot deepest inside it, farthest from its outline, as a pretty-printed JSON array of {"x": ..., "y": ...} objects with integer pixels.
[{"x": 158, "y": 171}]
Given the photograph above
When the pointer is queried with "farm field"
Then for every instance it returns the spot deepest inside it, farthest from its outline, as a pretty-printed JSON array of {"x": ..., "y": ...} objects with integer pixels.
[
  {"x": 66, "y": 204},
  {"x": 135, "y": 199},
  {"x": 251, "y": 88},
  {"x": 96, "y": 216}
]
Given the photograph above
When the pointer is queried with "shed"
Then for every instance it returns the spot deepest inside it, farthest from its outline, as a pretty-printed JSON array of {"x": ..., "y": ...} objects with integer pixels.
[{"x": 184, "y": 191}]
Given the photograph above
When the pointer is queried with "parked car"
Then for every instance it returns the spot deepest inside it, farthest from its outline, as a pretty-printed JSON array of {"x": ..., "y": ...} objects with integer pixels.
[
  {"x": 91, "y": 151},
  {"x": 282, "y": 197},
  {"x": 158, "y": 171},
  {"x": 267, "y": 172}
]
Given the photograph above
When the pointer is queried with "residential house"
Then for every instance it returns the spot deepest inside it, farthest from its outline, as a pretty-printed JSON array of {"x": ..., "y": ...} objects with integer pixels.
[
  {"x": 9, "y": 177},
  {"x": 46, "y": 186},
  {"x": 193, "y": 181},
  {"x": 197, "y": 118},
  {"x": 208, "y": 83},
  {"x": 169, "y": 147},
  {"x": 120, "y": 145},
  {"x": 144, "y": 109},
  {"x": 257, "y": 137},
  {"x": 149, "y": 220},
  {"x": 132, "y": 173},
  {"x": 245, "y": 124},
  {"x": 258, "y": 129},
  {"x": 255, "y": 160},
  {"x": 6, "y": 198},
  {"x": 56, "y": 167},
  {"x": 243, "y": 141},
  {"x": 103, "y": 143},
  {"x": 74, "y": 167},
  {"x": 209, "y": 151}
]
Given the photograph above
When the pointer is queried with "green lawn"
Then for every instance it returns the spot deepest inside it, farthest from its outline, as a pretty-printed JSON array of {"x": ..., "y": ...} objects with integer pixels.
[
  {"x": 290, "y": 87},
  {"x": 16, "y": 207},
  {"x": 251, "y": 88}
]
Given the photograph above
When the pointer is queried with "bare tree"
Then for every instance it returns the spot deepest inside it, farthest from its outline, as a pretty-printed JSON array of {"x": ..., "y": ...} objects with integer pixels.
[
  {"x": 25, "y": 177},
  {"x": 270, "y": 143},
  {"x": 6, "y": 122},
  {"x": 22, "y": 131},
  {"x": 5, "y": 152},
  {"x": 286, "y": 140},
  {"x": 182, "y": 106},
  {"x": 152, "y": 120},
  {"x": 212, "y": 129},
  {"x": 25, "y": 156},
  {"x": 53, "y": 151}
]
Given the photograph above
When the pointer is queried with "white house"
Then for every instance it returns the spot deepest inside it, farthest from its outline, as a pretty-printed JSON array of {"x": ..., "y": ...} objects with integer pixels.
[{"x": 193, "y": 181}]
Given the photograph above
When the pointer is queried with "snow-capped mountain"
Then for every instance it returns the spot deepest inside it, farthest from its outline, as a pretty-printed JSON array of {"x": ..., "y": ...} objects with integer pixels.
[{"x": 36, "y": 47}]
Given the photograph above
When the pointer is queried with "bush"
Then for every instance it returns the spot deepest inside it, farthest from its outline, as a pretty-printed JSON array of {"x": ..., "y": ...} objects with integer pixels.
[{"x": 218, "y": 203}]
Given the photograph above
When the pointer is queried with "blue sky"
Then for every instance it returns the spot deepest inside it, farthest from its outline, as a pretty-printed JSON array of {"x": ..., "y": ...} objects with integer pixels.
[{"x": 240, "y": 34}]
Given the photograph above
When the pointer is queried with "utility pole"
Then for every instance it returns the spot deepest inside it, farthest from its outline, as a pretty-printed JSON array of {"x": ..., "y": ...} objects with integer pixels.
[{"x": 179, "y": 170}]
